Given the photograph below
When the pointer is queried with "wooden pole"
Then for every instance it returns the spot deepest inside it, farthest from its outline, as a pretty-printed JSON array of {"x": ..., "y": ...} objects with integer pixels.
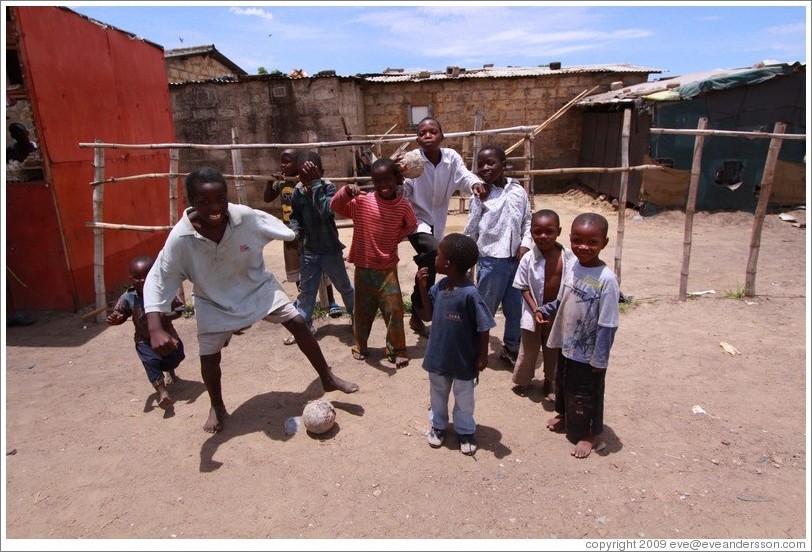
[
  {"x": 174, "y": 156},
  {"x": 236, "y": 161},
  {"x": 173, "y": 185},
  {"x": 352, "y": 148},
  {"x": 477, "y": 142},
  {"x": 624, "y": 185},
  {"x": 378, "y": 143},
  {"x": 553, "y": 117},
  {"x": 761, "y": 209},
  {"x": 98, "y": 233},
  {"x": 527, "y": 180},
  {"x": 690, "y": 209}
]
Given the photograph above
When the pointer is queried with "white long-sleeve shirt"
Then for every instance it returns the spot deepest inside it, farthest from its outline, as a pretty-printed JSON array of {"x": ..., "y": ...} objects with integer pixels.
[
  {"x": 231, "y": 287},
  {"x": 501, "y": 223},
  {"x": 430, "y": 192}
]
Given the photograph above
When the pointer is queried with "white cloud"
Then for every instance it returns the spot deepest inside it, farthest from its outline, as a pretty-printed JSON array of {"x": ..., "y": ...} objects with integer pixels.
[{"x": 254, "y": 12}]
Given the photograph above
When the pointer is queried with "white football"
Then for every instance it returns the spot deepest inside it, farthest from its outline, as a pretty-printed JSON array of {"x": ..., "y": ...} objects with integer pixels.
[
  {"x": 318, "y": 416},
  {"x": 411, "y": 165}
]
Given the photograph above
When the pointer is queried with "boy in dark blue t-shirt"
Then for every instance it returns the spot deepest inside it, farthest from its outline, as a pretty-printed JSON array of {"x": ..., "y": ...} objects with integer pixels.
[{"x": 458, "y": 344}]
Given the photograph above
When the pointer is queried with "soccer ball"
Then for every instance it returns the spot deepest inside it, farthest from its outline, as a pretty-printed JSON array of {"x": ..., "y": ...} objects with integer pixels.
[
  {"x": 411, "y": 164},
  {"x": 319, "y": 416}
]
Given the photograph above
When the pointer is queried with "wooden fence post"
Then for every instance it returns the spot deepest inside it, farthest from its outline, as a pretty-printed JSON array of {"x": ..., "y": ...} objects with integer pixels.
[
  {"x": 690, "y": 209},
  {"x": 624, "y": 185},
  {"x": 174, "y": 157},
  {"x": 98, "y": 234},
  {"x": 761, "y": 209},
  {"x": 236, "y": 161}
]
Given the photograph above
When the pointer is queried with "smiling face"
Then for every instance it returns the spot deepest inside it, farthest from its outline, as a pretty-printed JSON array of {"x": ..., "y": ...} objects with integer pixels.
[
  {"x": 491, "y": 167},
  {"x": 544, "y": 230},
  {"x": 384, "y": 181},
  {"x": 587, "y": 241},
  {"x": 210, "y": 202}
]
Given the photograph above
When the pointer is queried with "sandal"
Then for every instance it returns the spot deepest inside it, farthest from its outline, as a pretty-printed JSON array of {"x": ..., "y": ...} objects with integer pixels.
[
  {"x": 399, "y": 361},
  {"x": 359, "y": 356},
  {"x": 289, "y": 340},
  {"x": 335, "y": 311}
]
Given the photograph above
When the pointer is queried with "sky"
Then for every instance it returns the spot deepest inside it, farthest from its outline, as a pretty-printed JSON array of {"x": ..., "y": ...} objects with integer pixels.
[{"x": 368, "y": 37}]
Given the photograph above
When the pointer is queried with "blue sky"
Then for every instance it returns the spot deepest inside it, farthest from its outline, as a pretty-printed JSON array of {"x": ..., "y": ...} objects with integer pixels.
[{"x": 368, "y": 37}]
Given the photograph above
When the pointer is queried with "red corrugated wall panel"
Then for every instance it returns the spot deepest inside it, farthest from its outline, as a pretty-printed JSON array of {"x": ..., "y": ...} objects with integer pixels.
[{"x": 87, "y": 82}]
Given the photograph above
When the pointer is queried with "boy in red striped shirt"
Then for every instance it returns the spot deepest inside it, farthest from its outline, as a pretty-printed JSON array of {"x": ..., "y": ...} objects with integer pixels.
[{"x": 380, "y": 222}]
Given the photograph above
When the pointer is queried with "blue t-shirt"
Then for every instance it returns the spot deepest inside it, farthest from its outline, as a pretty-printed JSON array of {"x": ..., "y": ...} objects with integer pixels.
[{"x": 458, "y": 316}]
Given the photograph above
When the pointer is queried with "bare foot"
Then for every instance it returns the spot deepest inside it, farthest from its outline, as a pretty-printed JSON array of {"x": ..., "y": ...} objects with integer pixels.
[
  {"x": 401, "y": 362},
  {"x": 214, "y": 423},
  {"x": 169, "y": 378},
  {"x": 335, "y": 383},
  {"x": 586, "y": 446},
  {"x": 556, "y": 424},
  {"x": 358, "y": 356}
]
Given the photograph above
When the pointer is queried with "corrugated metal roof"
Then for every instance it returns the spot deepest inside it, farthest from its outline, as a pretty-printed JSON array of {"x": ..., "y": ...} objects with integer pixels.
[
  {"x": 686, "y": 86},
  {"x": 453, "y": 73},
  {"x": 108, "y": 26}
]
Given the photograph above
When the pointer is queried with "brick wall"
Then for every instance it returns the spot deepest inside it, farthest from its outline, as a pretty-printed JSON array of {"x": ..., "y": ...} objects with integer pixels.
[
  {"x": 284, "y": 111},
  {"x": 503, "y": 102},
  {"x": 266, "y": 111}
]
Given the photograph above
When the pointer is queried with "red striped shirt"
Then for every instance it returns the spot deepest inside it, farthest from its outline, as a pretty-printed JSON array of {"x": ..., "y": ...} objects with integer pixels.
[{"x": 379, "y": 225}]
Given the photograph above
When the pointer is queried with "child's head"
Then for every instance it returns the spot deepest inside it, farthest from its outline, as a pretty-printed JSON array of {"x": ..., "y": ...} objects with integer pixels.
[
  {"x": 18, "y": 132},
  {"x": 588, "y": 237},
  {"x": 386, "y": 178},
  {"x": 456, "y": 254},
  {"x": 139, "y": 268},
  {"x": 207, "y": 193},
  {"x": 545, "y": 227},
  {"x": 429, "y": 133},
  {"x": 200, "y": 177},
  {"x": 287, "y": 162},
  {"x": 306, "y": 156},
  {"x": 491, "y": 164}
]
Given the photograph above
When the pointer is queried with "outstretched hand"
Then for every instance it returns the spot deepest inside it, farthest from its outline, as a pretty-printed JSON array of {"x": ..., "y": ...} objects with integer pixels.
[
  {"x": 481, "y": 191},
  {"x": 309, "y": 172},
  {"x": 354, "y": 190}
]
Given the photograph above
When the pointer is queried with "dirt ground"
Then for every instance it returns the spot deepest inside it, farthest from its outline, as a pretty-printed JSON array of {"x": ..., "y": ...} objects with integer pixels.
[{"x": 701, "y": 443}]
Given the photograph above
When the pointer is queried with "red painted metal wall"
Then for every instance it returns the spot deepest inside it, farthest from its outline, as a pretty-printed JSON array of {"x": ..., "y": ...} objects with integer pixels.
[{"x": 86, "y": 82}]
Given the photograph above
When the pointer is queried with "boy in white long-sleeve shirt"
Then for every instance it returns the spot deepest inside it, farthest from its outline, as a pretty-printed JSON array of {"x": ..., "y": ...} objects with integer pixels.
[
  {"x": 444, "y": 173},
  {"x": 500, "y": 225}
]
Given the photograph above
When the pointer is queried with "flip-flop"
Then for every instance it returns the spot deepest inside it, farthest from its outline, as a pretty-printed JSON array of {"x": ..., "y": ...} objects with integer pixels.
[{"x": 289, "y": 340}]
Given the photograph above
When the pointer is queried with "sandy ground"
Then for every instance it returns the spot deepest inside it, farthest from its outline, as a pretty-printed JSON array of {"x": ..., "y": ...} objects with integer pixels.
[{"x": 700, "y": 443}]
